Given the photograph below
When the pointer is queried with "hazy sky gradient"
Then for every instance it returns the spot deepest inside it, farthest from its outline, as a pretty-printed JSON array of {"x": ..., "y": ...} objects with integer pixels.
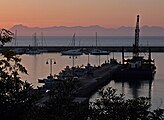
[{"x": 106, "y": 13}]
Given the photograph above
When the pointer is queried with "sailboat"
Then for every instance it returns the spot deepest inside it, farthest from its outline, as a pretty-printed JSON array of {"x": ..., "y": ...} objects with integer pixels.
[
  {"x": 19, "y": 51},
  {"x": 73, "y": 51},
  {"x": 34, "y": 50},
  {"x": 97, "y": 51},
  {"x": 42, "y": 50}
]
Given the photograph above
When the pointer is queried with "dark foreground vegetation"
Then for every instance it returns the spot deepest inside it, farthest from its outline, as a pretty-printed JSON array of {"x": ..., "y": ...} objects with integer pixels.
[{"x": 19, "y": 101}]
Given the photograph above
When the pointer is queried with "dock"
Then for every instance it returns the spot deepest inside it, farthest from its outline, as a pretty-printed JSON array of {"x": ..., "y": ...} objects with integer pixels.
[{"x": 91, "y": 84}]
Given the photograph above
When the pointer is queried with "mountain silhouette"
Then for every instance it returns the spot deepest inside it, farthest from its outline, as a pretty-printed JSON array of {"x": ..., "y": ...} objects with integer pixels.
[{"x": 87, "y": 30}]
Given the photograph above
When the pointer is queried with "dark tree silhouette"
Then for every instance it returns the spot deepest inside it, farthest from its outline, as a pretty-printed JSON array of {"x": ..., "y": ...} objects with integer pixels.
[
  {"x": 16, "y": 96},
  {"x": 111, "y": 106},
  {"x": 5, "y": 36}
]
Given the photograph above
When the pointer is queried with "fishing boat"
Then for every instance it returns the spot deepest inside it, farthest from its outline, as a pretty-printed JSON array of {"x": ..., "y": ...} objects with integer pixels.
[
  {"x": 73, "y": 51},
  {"x": 137, "y": 67}
]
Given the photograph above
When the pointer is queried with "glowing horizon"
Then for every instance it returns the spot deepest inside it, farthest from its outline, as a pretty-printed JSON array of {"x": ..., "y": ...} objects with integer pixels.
[{"x": 106, "y": 13}]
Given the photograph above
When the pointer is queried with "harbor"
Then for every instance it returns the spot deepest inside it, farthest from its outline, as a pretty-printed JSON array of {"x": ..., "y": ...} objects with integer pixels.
[
  {"x": 80, "y": 83},
  {"x": 82, "y": 60},
  {"x": 92, "y": 78},
  {"x": 38, "y": 69}
]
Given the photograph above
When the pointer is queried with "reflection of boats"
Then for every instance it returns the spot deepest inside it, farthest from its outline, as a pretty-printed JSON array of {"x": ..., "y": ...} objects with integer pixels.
[
  {"x": 73, "y": 51},
  {"x": 133, "y": 87},
  {"x": 97, "y": 51},
  {"x": 137, "y": 67}
]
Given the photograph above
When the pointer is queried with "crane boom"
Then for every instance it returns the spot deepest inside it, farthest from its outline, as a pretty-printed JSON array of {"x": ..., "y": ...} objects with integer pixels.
[{"x": 136, "y": 45}]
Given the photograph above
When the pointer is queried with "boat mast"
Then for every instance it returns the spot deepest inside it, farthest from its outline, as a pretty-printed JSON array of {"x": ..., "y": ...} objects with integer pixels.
[
  {"x": 42, "y": 38},
  {"x": 35, "y": 40},
  {"x": 15, "y": 44},
  {"x": 96, "y": 39},
  {"x": 136, "y": 45},
  {"x": 73, "y": 40}
]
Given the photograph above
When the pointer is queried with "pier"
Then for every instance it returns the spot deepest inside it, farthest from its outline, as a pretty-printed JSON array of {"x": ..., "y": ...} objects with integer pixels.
[
  {"x": 89, "y": 84},
  {"x": 101, "y": 77}
]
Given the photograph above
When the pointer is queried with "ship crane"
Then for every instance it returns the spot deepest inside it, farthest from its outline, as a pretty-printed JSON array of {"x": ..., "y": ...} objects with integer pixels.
[{"x": 136, "y": 45}]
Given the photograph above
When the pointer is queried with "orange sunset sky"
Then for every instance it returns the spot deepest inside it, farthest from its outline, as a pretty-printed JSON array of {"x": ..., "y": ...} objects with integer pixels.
[{"x": 106, "y": 13}]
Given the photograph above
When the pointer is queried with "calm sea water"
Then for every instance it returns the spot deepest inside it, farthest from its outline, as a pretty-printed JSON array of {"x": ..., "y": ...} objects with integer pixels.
[
  {"x": 37, "y": 67},
  {"x": 87, "y": 41}
]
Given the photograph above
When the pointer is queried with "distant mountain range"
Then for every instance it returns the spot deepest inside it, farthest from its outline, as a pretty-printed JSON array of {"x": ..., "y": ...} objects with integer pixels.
[{"x": 87, "y": 31}]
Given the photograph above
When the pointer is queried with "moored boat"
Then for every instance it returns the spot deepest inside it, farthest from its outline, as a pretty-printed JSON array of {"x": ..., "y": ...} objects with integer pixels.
[
  {"x": 136, "y": 68},
  {"x": 99, "y": 52},
  {"x": 32, "y": 51},
  {"x": 50, "y": 82},
  {"x": 73, "y": 51},
  {"x": 18, "y": 51}
]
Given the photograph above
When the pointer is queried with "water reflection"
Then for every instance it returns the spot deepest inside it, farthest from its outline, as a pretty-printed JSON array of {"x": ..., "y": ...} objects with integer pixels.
[
  {"x": 135, "y": 87},
  {"x": 131, "y": 89},
  {"x": 35, "y": 66}
]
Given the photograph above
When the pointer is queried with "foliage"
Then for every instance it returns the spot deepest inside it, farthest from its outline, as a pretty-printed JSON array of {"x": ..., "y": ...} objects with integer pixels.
[
  {"x": 61, "y": 105},
  {"x": 111, "y": 106},
  {"x": 157, "y": 114},
  {"x": 16, "y": 96},
  {"x": 5, "y": 36}
]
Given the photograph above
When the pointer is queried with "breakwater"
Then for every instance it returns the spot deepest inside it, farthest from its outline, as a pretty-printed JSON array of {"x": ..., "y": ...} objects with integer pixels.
[{"x": 108, "y": 48}]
